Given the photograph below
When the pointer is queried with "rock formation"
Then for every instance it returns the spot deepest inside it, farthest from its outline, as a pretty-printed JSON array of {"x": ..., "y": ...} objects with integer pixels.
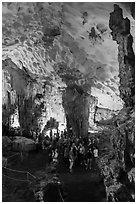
[
  {"x": 42, "y": 56},
  {"x": 58, "y": 63},
  {"x": 118, "y": 162},
  {"x": 121, "y": 34},
  {"x": 76, "y": 105}
]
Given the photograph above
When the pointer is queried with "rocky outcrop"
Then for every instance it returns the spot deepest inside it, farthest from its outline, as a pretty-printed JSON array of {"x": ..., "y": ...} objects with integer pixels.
[
  {"x": 118, "y": 163},
  {"x": 22, "y": 144},
  {"x": 76, "y": 106},
  {"x": 117, "y": 151},
  {"x": 121, "y": 34}
]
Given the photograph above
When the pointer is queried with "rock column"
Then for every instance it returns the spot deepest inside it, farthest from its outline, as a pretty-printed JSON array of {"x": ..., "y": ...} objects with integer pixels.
[{"x": 121, "y": 34}]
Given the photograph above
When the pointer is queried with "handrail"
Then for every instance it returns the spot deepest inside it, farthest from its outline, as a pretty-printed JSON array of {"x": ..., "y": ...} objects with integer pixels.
[
  {"x": 14, "y": 170},
  {"x": 14, "y": 178},
  {"x": 26, "y": 172}
]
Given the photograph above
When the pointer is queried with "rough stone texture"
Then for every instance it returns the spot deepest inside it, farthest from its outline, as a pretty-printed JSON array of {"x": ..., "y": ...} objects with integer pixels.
[
  {"x": 23, "y": 144},
  {"x": 54, "y": 64},
  {"x": 92, "y": 112},
  {"x": 37, "y": 100},
  {"x": 117, "y": 152},
  {"x": 104, "y": 114},
  {"x": 121, "y": 34},
  {"x": 76, "y": 105},
  {"x": 46, "y": 44},
  {"x": 118, "y": 163}
]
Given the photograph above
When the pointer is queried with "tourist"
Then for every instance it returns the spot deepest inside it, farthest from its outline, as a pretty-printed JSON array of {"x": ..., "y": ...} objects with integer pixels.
[
  {"x": 54, "y": 144},
  {"x": 95, "y": 152},
  {"x": 89, "y": 158},
  {"x": 71, "y": 159},
  {"x": 72, "y": 156},
  {"x": 81, "y": 153},
  {"x": 62, "y": 134},
  {"x": 55, "y": 156},
  {"x": 90, "y": 144},
  {"x": 74, "y": 150},
  {"x": 66, "y": 152}
]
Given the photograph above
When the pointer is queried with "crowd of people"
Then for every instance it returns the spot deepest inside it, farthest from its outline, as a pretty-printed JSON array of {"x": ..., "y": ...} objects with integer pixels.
[{"x": 72, "y": 150}]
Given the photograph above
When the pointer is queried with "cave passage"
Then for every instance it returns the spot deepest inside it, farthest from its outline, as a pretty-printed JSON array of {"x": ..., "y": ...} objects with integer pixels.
[{"x": 68, "y": 101}]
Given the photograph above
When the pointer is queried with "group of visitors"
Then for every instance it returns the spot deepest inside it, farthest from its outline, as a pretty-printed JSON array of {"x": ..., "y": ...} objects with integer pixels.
[
  {"x": 83, "y": 155},
  {"x": 72, "y": 150}
]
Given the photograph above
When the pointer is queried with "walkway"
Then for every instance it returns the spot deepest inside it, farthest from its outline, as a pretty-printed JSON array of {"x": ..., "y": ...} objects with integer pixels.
[{"x": 82, "y": 185}]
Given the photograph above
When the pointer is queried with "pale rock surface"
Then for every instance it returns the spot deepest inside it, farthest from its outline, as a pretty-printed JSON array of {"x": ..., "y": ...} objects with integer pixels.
[{"x": 50, "y": 46}]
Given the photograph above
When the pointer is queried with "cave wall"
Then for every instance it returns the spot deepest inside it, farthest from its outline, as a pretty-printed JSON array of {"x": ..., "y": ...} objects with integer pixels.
[
  {"x": 9, "y": 100},
  {"x": 104, "y": 114},
  {"x": 118, "y": 164},
  {"x": 121, "y": 34},
  {"x": 35, "y": 99},
  {"x": 117, "y": 157}
]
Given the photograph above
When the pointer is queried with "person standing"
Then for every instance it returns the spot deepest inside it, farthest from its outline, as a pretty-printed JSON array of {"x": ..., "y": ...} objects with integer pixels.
[
  {"x": 95, "y": 152},
  {"x": 72, "y": 156},
  {"x": 81, "y": 151},
  {"x": 55, "y": 156},
  {"x": 89, "y": 158},
  {"x": 71, "y": 159}
]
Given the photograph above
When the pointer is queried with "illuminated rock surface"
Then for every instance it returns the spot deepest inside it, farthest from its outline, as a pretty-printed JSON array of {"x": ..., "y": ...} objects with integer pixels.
[
  {"x": 74, "y": 62},
  {"x": 47, "y": 47}
]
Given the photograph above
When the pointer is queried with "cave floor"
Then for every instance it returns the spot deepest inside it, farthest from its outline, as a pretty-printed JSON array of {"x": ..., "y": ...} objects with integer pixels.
[{"x": 80, "y": 186}]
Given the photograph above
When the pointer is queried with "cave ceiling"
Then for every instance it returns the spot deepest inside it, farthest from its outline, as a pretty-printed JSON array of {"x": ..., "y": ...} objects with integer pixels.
[{"x": 64, "y": 44}]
